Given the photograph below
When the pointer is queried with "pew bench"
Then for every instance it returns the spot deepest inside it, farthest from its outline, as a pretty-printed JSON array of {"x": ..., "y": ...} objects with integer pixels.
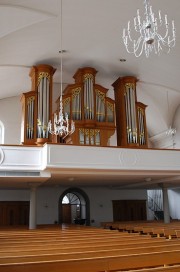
[
  {"x": 172, "y": 268},
  {"x": 86, "y": 252},
  {"x": 93, "y": 264}
]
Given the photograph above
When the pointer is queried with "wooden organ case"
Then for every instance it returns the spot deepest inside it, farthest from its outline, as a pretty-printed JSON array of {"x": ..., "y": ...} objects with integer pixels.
[
  {"x": 37, "y": 106},
  {"x": 130, "y": 114},
  {"x": 86, "y": 104}
]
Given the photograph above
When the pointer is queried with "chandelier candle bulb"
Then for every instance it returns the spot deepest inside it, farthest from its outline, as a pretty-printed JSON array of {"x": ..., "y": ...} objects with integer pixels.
[
  {"x": 166, "y": 20},
  {"x": 160, "y": 16}
]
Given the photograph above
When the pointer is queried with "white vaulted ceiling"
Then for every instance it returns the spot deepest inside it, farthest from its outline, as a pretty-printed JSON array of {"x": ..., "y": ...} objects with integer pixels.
[{"x": 92, "y": 36}]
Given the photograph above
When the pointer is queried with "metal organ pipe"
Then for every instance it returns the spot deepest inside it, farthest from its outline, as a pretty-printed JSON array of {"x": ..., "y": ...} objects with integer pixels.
[
  {"x": 78, "y": 111},
  {"x": 85, "y": 100},
  {"x": 75, "y": 106},
  {"x": 130, "y": 108},
  {"x": 141, "y": 127},
  {"x": 98, "y": 106},
  {"x": 79, "y": 106},
  {"x": 38, "y": 121},
  {"x": 39, "y": 110},
  {"x": 92, "y": 98},
  {"x": 43, "y": 107},
  {"x": 27, "y": 129},
  {"x": 89, "y": 97},
  {"x": 32, "y": 119},
  {"x": 134, "y": 117},
  {"x": 127, "y": 117},
  {"x": 76, "y": 103},
  {"x": 47, "y": 107}
]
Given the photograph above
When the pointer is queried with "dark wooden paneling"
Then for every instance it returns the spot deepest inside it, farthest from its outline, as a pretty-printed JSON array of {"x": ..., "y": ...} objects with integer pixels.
[
  {"x": 14, "y": 213},
  {"x": 129, "y": 210}
]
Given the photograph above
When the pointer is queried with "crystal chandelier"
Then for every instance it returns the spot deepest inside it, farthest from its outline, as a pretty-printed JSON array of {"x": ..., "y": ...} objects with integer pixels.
[
  {"x": 61, "y": 125},
  {"x": 149, "y": 38}
]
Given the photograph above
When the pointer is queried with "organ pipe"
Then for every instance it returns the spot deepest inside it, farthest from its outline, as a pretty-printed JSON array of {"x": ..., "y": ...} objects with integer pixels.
[
  {"x": 38, "y": 110},
  {"x": 43, "y": 105},
  {"x": 130, "y": 114},
  {"x": 89, "y": 109},
  {"x": 88, "y": 96},
  {"x": 30, "y": 117}
]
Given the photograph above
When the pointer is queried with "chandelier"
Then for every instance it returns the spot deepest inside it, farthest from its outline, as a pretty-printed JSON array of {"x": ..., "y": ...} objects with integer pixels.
[
  {"x": 61, "y": 126},
  {"x": 149, "y": 38}
]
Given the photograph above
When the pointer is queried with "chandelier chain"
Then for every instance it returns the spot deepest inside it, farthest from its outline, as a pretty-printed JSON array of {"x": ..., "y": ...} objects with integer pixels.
[{"x": 61, "y": 125}]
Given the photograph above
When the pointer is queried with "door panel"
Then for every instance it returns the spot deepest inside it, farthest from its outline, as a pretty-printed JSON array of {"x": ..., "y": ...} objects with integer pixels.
[
  {"x": 14, "y": 213},
  {"x": 129, "y": 210},
  {"x": 66, "y": 213}
]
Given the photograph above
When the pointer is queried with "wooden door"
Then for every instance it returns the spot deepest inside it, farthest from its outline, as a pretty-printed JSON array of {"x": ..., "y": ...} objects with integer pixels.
[
  {"x": 66, "y": 213},
  {"x": 129, "y": 210},
  {"x": 14, "y": 213}
]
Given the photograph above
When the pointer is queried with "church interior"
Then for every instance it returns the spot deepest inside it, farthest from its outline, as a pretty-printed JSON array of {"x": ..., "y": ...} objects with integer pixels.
[{"x": 89, "y": 129}]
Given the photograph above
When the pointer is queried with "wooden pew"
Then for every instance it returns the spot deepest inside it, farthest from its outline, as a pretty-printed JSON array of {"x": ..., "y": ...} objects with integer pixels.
[
  {"x": 86, "y": 245},
  {"x": 96, "y": 251},
  {"x": 173, "y": 268},
  {"x": 154, "y": 228},
  {"x": 96, "y": 254},
  {"x": 94, "y": 264}
]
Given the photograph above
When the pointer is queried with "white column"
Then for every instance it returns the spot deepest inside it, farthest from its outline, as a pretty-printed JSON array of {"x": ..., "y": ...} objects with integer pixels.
[
  {"x": 166, "y": 205},
  {"x": 32, "y": 212}
]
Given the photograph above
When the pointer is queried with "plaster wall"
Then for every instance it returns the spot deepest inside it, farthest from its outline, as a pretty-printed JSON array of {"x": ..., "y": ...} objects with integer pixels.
[
  {"x": 10, "y": 116},
  {"x": 48, "y": 198},
  {"x": 174, "y": 203}
]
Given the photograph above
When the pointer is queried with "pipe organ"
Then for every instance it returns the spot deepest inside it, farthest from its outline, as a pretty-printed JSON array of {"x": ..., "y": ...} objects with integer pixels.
[
  {"x": 37, "y": 106},
  {"x": 130, "y": 114},
  {"x": 86, "y": 104}
]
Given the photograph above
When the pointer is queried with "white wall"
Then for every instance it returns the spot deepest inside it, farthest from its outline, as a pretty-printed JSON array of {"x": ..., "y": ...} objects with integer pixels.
[
  {"x": 48, "y": 198},
  {"x": 176, "y": 125},
  {"x": 10, "y": 116},
  {"x": 14, "y": 195},
  {"x": 174, "y": 203},
  {"x": 101, "y": 201}
]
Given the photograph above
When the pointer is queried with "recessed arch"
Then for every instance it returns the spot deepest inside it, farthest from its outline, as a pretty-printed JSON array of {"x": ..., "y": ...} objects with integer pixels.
[{"x": 83, "y": 200}]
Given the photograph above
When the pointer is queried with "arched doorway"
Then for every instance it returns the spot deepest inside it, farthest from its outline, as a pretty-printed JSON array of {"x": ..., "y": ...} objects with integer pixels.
[{"x": 74, "y": 207}]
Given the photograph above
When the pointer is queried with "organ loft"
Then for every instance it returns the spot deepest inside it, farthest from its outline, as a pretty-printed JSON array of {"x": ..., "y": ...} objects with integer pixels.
[{"x": 96, "y": 116}]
